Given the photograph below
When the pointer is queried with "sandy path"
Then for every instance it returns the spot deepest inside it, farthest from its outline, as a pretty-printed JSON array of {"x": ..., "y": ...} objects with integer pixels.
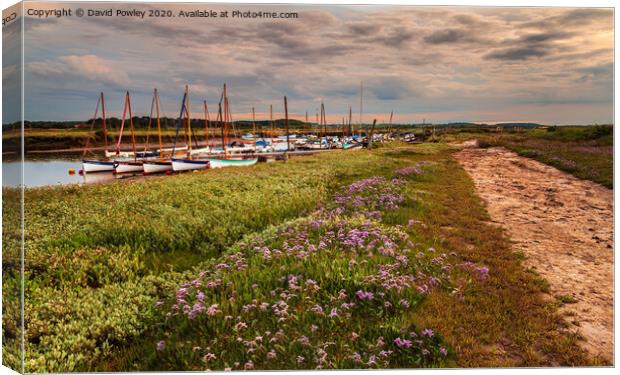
[{"x": 565, "y": 228}]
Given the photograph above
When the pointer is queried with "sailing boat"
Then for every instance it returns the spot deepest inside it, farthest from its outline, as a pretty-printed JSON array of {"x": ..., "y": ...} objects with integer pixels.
[
  {"x": 225, "y": 116},
  {"x": 98, "y": 165},
  {"x": 161, "y": 165},
  {"x": 187, "y": 164},
  {"x": 127, "y": 166}
]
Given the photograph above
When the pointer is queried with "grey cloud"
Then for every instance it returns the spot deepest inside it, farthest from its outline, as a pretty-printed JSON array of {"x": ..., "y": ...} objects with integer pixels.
[
  {"x": 445, "y": 36},
  {"x": 547, "y": 36},
  {"x": 517, "y": 53}
]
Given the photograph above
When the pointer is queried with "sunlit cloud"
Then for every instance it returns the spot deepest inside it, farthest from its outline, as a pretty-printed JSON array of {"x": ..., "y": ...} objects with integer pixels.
[{"x": 552, "y": 65}]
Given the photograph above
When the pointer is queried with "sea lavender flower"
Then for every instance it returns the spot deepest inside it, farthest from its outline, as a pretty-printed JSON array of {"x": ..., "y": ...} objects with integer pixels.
[
  {"x": 333, "y": 313},
  {"x": 317, "y": 309},
  {"x": 300, "y": 359},
  {"x": 271, "y": 354},
  {"x": 212, "y": 310},
  {"x": 161, "y": 345},
  {"x": 443, "y": 351},
  {"x": 372, "y": 360},
  {"x": 364, "y": 295},
  {"x": 427, "y": 332},
  {"x": 402, "y": 343},
  {"x": 209, "y": 357}
]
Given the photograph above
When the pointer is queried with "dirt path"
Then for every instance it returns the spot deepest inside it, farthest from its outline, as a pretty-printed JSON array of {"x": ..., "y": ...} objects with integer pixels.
[{"x": 565, "y": 228}]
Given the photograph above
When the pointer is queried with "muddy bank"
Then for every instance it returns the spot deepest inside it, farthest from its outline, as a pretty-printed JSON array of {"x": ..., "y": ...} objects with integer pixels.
[{"x": 563, "y": 225}]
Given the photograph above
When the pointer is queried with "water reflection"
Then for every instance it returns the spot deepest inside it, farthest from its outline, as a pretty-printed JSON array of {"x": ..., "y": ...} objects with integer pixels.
[{"x": 49, "y": 173}]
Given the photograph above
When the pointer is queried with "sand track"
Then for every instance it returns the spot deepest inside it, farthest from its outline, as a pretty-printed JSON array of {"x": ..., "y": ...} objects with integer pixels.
[{"x": 563, "y": 225}]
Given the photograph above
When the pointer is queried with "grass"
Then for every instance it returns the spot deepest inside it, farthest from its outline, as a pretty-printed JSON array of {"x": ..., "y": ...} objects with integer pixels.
[
  {"x": 585, "y": 152},
  {"x": 108, "y": 253}
]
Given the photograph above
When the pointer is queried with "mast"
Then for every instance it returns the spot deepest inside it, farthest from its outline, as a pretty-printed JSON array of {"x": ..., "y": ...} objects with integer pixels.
[
  {"x": 148, "y": 127},
  {"x": 206, "y": 124},
  {"x": 133, "y": 138},
  {"x": 92, "y": 125},
  {"x": 271, "y": 122},
  {"x": 120, "y": 134},
  {"x": 254, "y": 126},
  {"x": 288, "y": 141},
  {"x": 350, "y": 120},
  {"x": 179, "y": 123},
  {"x": 221, "y": 122},
  {"x": 161, "y": 145},
  {"x": 189, "y": 124},
  {"x": 105, "y": 130},
  {"x": 361, "y": 103},
  {"x": 391, "y": 116},
  {"x": 224, "y": 135}
]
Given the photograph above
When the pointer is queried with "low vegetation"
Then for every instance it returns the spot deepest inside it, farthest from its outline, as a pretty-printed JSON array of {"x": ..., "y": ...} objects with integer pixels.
[
  {"x": 352, "y": 259},
  {"x": 585, "y": 151}
]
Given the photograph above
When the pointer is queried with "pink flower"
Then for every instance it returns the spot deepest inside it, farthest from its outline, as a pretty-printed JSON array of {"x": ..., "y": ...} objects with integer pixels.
[
  {"x": 212, "y": 310},
  {"x": 271, "y": 354},
  {"x": 161, "y": 345},
  {"x": 427, "y": 332},
  {"x": 402, "y": 343}
]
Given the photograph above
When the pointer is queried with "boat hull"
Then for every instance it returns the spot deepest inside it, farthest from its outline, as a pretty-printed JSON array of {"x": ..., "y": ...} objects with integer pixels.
[
  {"x": 179, "y": 165},
  {"x": 151, "y": 167},
  {"x": 128, "y": 166},
  {"x": 221, "y": 163},
  {"x": 90, "y": 166}
]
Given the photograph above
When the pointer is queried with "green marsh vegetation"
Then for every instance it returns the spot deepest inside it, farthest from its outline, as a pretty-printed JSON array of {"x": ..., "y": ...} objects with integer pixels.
[
  {"x": 583, "y": 151},
  {"x": 105, "y": 264}
]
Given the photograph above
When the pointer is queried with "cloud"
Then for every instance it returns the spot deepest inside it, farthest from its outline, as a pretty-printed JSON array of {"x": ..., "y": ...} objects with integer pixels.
[
  {"x": 450, "y": 60},
  {"x": 89, "y": 67}
]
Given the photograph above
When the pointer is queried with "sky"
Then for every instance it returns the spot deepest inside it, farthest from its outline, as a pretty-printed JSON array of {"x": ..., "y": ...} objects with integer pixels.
[{"x": 433, "y": 64}]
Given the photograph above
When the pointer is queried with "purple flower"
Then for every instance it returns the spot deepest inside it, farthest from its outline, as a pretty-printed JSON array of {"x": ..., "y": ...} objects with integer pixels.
[
  {"x": 443, "y": 351},
  {"x": 364, "y": 295},
  {"x": 402, "y": 343},
  {"x": 161, "y": 345},
  {"x": 427, "y": 332}
]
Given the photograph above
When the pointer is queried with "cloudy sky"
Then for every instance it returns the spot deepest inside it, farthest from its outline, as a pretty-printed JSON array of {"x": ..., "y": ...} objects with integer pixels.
[{"x": 548, "y": 65}]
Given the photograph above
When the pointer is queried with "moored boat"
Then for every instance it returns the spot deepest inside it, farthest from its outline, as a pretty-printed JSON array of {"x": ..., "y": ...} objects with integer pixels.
[
  {"x": 156, "y": 166},
  {"x": 123, "y": 166},
  {"x": 180, "y": 165},
  {"x": 89, "y": 166},
  {"x": 221, "y": 163}
]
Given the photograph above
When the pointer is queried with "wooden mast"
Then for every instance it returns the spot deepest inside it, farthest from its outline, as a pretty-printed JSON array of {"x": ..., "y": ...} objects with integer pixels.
[
  {"x": 254, "y": 126},
  {"x": 120, "y": 134},
  {"x": 207, "y": 120},
  {"x": 350, "y": 120},
  {"x": 361, "y": 105},
  {"x": 288, "y": 141},
  {"x": 221, "y": 122},
  {"x": 189, "y": 124},
  {"x": 161, "y": 145},
  {"x": 148, "y": 126},
  {"x": 133, "y": 138},
  {"x": 105, "y": 130},
  {"x": 92, "y": 126},
  {"x": 225, "y": 118},
  {"x": 271, "y": 123}
]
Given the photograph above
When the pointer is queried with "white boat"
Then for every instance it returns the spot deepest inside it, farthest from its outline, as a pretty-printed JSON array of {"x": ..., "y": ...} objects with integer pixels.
[
  {"x": 122, "y": 166},
  {"x": 221, "y": 163},
  {"x": 156, "y": 166},
  {"x": 203, "y": 150},
  {"x": 130, "y": 154},
  {"x": 179, "y": 165},
  {"x": 89, "y": 166}
]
